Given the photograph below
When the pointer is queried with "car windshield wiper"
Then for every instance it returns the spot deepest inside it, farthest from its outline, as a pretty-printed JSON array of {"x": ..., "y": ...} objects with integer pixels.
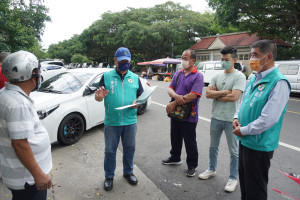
[{"x": 50, "y": 90}]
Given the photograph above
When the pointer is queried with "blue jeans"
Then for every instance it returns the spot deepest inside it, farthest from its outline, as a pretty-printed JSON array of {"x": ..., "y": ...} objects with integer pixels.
[
  {"x": 216, "y": 129},
  {"x": 112, "y": 136}
]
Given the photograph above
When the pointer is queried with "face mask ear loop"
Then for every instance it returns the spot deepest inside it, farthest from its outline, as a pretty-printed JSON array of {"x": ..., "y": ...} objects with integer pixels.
[{"x": 264, "y": 64}]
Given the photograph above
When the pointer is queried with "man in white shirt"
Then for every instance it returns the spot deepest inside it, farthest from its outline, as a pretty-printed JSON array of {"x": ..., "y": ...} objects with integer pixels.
[{"x": 25, "y": 150}]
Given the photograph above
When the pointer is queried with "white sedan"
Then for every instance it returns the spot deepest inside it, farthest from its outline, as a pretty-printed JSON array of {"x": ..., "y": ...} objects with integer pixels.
[
  {"x": 48, "y": 71},
  {"x": 66, "y": 106}
]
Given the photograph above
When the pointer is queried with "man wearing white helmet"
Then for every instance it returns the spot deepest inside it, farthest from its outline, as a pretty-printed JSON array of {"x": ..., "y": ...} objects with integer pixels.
[{"x": 25, "y": 150}]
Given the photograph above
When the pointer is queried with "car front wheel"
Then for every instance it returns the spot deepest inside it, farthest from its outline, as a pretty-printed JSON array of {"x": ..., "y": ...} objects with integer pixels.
[
  {"x": 70, "y": 129},
  {"x": 142, "y": 108}
]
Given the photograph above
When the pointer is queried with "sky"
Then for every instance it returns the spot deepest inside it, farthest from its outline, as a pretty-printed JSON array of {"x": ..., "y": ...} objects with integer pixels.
[{"x": 69, "y": 17}]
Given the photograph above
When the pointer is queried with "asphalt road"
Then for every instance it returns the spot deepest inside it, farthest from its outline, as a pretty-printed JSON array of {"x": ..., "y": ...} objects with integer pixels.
[
  {"x": 82, "y": 163},
  {"x": 153, "y": 145}
]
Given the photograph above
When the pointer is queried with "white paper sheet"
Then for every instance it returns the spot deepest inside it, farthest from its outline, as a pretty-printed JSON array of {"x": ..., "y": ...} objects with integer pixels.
[{"x": 142, "y": 99}]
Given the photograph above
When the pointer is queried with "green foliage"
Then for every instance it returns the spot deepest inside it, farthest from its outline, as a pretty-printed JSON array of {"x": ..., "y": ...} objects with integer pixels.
[
  {"x": 280, "y": 18},
  {"x": 20, "y": 24},
  {"x": 38, "y": 51},
  {"x": 66, "y": 49},
  {"x": 292, "y": 53},
  {"x": 78, "y": 58},
  {"x": 147, "y": 32}
]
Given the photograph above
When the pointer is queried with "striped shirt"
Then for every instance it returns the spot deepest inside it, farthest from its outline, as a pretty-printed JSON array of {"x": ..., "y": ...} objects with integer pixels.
[{"x": 19, "y": 120}]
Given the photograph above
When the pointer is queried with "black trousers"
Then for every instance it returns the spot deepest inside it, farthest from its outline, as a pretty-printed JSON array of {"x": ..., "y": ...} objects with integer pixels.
[
  {"x": 29, "y": 193},
  {"x": 184, "y": 131},
  {"x": 254, "y": 173}
]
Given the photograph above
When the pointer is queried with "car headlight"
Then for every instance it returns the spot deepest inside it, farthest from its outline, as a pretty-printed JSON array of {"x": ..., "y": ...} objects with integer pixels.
[{"x": 44, "y": 113}]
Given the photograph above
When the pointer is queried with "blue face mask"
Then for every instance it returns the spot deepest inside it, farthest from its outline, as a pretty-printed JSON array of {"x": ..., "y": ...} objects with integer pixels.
[
  {"x": 37, "y": 86},
  {"x": 124, "y": 66}
]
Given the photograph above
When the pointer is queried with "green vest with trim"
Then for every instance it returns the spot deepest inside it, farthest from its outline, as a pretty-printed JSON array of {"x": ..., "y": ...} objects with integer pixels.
[
  {"x": 253, "y": 103},
  {"x": 120, "y": 94}
]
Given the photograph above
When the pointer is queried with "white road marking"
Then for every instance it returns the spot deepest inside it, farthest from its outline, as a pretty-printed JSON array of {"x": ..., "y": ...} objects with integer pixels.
[
  {"x": 289, "y": 146},
  {"x": 208, "y": 120}
]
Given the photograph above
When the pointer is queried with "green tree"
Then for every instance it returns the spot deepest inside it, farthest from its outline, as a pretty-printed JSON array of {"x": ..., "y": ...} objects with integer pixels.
[
  {"x": 78, "y": 58},
  {"x": 21, "y": 24},
  {"x": 269, "y": 18},
  {"x": 147, "y": 32},
  {"x": 38, "y": 50},
  {"x": 66, "y": 49}
]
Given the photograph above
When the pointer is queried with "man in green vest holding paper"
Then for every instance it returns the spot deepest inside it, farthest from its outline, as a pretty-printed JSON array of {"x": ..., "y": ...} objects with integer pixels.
[
  {"x": 258, "y": 120},
  {"x": 119, "y": 87}
]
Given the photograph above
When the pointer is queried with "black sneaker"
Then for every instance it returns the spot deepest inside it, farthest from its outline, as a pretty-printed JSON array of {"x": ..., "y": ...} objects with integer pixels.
[
  {"x": 169, "y": 161},
  {"x": 190, "y": 172}
]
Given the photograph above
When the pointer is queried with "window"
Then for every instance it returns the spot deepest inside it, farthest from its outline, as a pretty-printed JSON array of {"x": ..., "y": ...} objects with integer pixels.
[
  {"x": 209, "y": 66},
  {"x": 283, "y": 68},
  {"x": 204, "y": 58},
  {"x": 218, "y": 66},
  {"x": 200, "y": 66},
  {"x": 65, "y": 83},
  {"x": 95, "y": 82},
  {"x": 293, "y": 69},
  {"x": 241, "y": 57},
  {"x": 246, "y": 56}
]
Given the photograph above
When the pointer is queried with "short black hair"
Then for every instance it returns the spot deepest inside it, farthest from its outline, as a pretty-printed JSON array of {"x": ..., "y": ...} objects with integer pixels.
[
  {"x": 3, "y": 55},
  {"x": 193, "y": 53},
  {"x": 229, "y": 50},
  {"x": 266, "y": 46}
]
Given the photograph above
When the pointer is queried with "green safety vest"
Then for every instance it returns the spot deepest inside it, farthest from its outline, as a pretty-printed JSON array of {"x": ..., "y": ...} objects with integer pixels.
[
  {"x": 121, "y": 93},
  {"x": 255, "y": 99}
]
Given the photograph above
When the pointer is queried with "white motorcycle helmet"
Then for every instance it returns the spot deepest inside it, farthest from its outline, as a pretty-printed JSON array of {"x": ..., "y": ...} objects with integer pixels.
[{"x": 18, "y": 66}]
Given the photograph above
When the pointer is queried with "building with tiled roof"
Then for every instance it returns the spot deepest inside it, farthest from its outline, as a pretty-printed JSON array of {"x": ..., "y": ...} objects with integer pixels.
[{"x": 208, "y": 48}]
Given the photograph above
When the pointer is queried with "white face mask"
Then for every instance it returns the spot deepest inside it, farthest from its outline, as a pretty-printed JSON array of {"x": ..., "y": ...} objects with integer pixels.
[{"x": 185, "y": 64}]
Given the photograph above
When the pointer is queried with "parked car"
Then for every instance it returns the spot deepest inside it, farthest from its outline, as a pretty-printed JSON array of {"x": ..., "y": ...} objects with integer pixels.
[
  {"x": 72, "y": 66},
  {"x": 66, "y": 106},
  {"x": 52, "y": 62},
  {"x": 48, "y": 71},
  {"x": 291, "y": 70},
  {"x": 209, "y": 69}
]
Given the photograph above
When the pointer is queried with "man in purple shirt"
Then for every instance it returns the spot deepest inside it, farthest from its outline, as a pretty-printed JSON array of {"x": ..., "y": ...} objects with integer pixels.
[{"x": 189, "y": 88}]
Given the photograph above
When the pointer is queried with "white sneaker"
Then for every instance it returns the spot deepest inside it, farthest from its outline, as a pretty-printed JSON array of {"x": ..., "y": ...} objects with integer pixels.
[
  {"x": 207, "y": 174},
  {"x": 230, "y": 186}
]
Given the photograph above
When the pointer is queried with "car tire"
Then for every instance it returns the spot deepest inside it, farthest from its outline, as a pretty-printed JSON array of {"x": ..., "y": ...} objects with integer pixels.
[
  {"x": 70, "y": 129},
  {"x": 142, "y": 108}
]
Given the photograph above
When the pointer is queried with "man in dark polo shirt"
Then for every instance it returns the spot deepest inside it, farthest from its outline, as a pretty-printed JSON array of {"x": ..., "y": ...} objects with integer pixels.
[{"x": 189, "y": 88}]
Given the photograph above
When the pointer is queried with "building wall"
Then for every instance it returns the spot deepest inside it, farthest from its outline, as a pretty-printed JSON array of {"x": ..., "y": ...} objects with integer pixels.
[{"x": 214, "y": 55}]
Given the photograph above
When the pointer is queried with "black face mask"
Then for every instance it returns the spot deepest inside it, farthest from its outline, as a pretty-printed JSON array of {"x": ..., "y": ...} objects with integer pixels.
[{"x": 124, "y": 66}]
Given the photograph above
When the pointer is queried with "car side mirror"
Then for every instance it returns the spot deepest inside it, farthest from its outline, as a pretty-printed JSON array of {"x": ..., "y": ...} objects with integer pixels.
[{"x": 89, "y": 90}]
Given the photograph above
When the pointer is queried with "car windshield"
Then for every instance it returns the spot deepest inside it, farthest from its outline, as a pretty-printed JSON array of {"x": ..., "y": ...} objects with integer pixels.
[{"x": 65, "y": 83}]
